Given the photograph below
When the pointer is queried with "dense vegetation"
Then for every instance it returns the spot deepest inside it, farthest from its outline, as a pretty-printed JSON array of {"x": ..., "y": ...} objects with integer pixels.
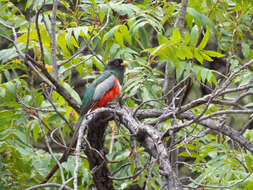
[{"x": 184, "y": 118}]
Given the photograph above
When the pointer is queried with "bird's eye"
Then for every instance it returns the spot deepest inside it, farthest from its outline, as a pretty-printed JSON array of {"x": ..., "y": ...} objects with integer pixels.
[{"x": 116, "y": 63}]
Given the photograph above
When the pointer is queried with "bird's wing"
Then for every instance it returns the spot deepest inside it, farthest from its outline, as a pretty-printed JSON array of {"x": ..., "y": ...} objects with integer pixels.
[
  {"x": 102, "y": 88},
  {"x": 97, "y": 90}
]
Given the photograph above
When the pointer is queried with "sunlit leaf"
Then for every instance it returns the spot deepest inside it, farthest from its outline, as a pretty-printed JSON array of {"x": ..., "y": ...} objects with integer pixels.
[
  {"x": 204, "y": 40},
  {"x": 198, "y": 56},
  {"x": 72, "y": 92},
  {"x": 176, "y": 36},
  {"x": 213, "y": 53}
]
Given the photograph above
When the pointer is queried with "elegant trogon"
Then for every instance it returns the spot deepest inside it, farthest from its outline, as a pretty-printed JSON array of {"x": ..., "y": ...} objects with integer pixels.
[
  {"x": 105, "y": 88},
  {"x": 101, "y": 91}
]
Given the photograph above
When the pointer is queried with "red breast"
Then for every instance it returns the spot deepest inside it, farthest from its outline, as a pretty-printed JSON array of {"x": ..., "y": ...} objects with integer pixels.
[{"x": 109, "y": 96}]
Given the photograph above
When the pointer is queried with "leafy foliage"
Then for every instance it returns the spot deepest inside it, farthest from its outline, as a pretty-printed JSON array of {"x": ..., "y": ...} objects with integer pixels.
[{"x": 144, "y": 34}]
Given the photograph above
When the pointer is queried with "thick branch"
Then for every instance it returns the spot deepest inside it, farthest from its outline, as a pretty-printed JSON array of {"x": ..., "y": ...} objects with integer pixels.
[
  {"x": 224, "y": 129},
  {"x": 59, "y": 88},
  {"x": 150, "y": 138},
  {"x": 209, "y": 123},
  {"x": 95, "y": 151}
]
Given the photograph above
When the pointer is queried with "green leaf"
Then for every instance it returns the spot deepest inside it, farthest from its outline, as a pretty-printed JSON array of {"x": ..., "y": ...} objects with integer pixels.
[
  {"x": 185, "y": 154},
  {"x": 187, "y": 51},
  {"x": 130, "y": 102},
  {"x": 204, "y": 74},
  {"x": 198, "y": 56},
  {"x": 245, "y": 50},
  {"x": 248, "y": 162},
  {"x": 123, "y": 155},
  {"x": 72, "y": 92},
  {"x": 189, "y": 20},
  {"x": 123, "y": 8},
  {"x": 62, "y": 43},
  {"x": 113, "y": 50},
  {"x": 36, "y": 131},
  {"x": 7, "y": 75},
  {"x": 4, "y": 134},
  {"x": 194, "y": 35},
  {"x": 176, "y": 36},
  {"x": 202, "y": 19},
  {"x": 180, "y": 54},
  {"x": 101, "y": 16},
  {"x": 126, "y": 34},
  {"x": 132, "y": 85},
  {"x": 9, "y": 54},
  {"x": 204, "y": 40},
  {"x": 119, "y": 38},
  {"x": 110, "y": 33},
  {"x": 108, "y": 46},
  {"x": 144, "y": 37},
  {"x": 213, "y": 53},
  {"x": 2, "y": 92},
  {"x": 205, "y": 56},
  {"x": 162, "y": 39},
  {"x": 169, "y": 53},
  {"x": 186, "y": 39},
  {"x": 98, "y": 64},
  {"x": 10, "y": 86},
  {"x": 84, "y": 31},
  {"x": 73, "y": 42},
  {"x": 249, "y": 184},
  {"x": 137, "y": 25}
]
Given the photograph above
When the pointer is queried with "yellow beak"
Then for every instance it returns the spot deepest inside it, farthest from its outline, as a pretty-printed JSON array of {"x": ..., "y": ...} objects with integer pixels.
[{"x": 124, "y": 63}]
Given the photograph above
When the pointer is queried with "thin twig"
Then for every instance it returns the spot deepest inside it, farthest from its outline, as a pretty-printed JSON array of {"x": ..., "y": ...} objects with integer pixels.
[
  {"x": 128, "y": 177},
  {"x": 135, "y": 153},
  {"x": 74, "y": 66},
  {"x": 55, "y": 109},
  {"x": 38, "y": 33},
  {"x": 55, "y": 141},
  {"x": 149, "y": 174},
  {"x": 65, "y": 183},
  {"x": 32, "y": 108},
  {"x": 220, "y": 186},
  {"x": 203, "y": 118},
  {"x": 78, "y": 148},
  {"x": 134, "y": 175},
  {"x": 48, "y": 185},
  {"x": 53, "y": 43},
  {"x": 51, "y": 151},
  {"x": 163, "y": 97},
  {"x": 246, "y": 111},
  {"x": 191, "y": 138},
  {"x": 247, "y": 126},
  {"x": 122, "y": 166},
  {"x": 232, "y": 76}
]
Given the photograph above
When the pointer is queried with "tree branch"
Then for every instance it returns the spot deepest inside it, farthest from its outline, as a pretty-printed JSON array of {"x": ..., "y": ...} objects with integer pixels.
[
  {"x": 181, "y": 19},
  {"x": 150, "y": 138},
  {"x": 38, "y": 33},
  {"x": 53, "y": 44}
]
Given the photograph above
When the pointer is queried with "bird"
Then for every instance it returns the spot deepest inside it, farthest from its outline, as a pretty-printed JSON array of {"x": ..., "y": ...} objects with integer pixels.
[
  {"x": 99, "y": 93},
  {"x": 105, "y": 88}
]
